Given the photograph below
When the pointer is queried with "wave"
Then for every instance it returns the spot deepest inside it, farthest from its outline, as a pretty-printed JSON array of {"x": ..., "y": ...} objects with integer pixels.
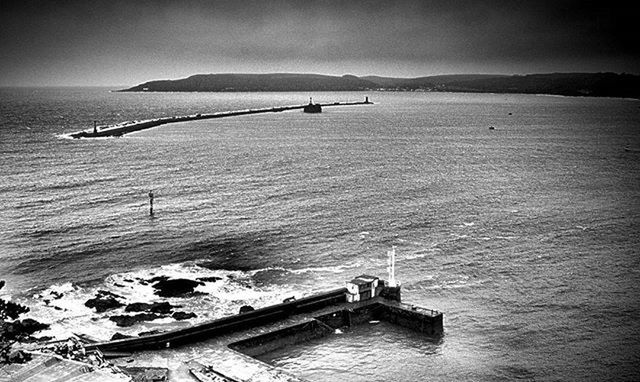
[
  {"x": 75, "y": 183},
  {"x": 221, "y": 293}
]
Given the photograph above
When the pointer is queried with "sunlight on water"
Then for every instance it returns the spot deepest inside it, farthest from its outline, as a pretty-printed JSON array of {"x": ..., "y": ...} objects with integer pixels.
[
  {"x": 524, "y": 235},
  {"x": 364, "y": 353}
]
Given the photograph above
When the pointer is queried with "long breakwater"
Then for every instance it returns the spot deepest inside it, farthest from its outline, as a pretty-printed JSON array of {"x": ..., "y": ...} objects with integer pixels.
[{"x": 123, "y": 128}]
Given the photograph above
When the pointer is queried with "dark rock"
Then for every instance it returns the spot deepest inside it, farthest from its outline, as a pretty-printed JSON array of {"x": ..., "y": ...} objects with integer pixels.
[
  {"x": 102, "y": 305},
  {"x": 124, "y": 320},
  {"x": 56, "y": 295},
  {"x": 149, "y": 333},
  {"x": 21, "y": 328},
  {"x": 31, "y": 326},
  {"x": 106, "y": 293},
  {"x": 156, "y": 307},
  {"x": 183, "y": 315},
  {"x": 246, "y": 308},
  {"x": 18, "y": 356},
  {"x": 119, "y": 336},
  {"x": 162, "y": 307},
  {"x": 211, "y": 279},
  {"x": 175, "y": 287},
  {"x": 104, "y": 301},
  {"x": 158, "y": 278},
  {"x": 11, "y": 309}
]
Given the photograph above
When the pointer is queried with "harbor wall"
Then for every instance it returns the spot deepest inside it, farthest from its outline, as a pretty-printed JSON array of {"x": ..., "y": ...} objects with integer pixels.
[
  {"x": 423, "y": 321},
  {"x": 224, "y": 325},
  {"x": 278, "y": 339},
  {"x": 337, "y": 314}
]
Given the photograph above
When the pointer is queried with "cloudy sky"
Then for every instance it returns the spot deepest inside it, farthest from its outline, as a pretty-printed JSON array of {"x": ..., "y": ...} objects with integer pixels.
[{"x": 117, "y": 42}]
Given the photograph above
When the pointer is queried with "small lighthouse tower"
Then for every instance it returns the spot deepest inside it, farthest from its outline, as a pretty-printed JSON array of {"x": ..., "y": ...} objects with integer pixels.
[
  {"x": 392, "y": 267},
  {"x": 312, "y": 108}
]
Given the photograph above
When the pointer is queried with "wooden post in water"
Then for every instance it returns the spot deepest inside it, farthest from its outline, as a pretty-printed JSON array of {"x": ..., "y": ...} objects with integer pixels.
[{"x": 151, "y": 203}]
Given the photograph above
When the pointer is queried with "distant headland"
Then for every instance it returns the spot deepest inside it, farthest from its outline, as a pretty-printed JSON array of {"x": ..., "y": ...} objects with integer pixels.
[{"x": 567, "y": 84}]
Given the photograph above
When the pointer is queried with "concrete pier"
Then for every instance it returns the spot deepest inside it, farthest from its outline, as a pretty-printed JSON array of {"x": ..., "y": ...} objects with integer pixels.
[
  {"x": 234, "y": 341},
  {"x": 130, "y": 127}
]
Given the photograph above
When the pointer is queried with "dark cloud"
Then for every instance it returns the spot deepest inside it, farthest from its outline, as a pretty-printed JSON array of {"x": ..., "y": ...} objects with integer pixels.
[{"x": 124, "y": 42}]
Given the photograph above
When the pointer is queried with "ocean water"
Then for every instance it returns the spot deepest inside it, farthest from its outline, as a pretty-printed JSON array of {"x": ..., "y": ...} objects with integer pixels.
[{"x": 525, "y": 236}]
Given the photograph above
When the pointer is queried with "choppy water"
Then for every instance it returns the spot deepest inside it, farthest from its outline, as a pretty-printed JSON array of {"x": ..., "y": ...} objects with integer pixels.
[{"x": 526, "y": 236}]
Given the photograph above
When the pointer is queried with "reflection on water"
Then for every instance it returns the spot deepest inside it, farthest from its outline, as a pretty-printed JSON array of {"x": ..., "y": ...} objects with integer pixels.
[
  {"x": 369, "y": 352},
  {"x": 525, "y": 236}
]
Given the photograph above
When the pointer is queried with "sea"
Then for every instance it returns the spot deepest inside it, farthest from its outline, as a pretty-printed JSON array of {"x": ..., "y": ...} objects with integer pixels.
[{"x": 517, "y": 216}]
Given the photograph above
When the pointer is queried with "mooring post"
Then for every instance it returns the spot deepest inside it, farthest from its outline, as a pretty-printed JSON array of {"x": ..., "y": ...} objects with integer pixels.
[
  {"x": 95, "y": 127},
  {"x": 151, "y": 202}
]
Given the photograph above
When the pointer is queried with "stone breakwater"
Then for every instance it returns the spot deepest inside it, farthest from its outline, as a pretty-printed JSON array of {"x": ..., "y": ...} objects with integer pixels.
[{"x": 133, "y": 126}]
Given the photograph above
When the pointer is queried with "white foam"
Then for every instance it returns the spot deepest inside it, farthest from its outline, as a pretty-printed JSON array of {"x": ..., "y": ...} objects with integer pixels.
[
  {"x": 334, "y": 269},
  {"x": 62, "y": 306}
]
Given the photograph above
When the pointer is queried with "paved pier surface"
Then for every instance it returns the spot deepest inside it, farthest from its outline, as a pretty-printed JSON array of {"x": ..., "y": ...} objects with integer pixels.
[
  {"x": 130, "y": 127},
  {"x": 227, "y": 346},
  {"x": 229, "y": 352},
  {"x": 49, "y": 367}
]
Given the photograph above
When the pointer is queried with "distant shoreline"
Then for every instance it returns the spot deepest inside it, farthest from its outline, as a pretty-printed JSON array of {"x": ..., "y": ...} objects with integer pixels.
[{"x": 563, "y": 84}]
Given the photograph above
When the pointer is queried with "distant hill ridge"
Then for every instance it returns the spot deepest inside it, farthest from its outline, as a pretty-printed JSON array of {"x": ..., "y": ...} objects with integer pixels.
[{"x": 569, "y": 84}]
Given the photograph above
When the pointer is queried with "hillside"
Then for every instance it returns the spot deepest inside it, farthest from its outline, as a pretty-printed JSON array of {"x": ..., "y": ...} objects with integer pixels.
[
  {"x": 256, "y": 83},
  {"x": 569, "y": 84}
]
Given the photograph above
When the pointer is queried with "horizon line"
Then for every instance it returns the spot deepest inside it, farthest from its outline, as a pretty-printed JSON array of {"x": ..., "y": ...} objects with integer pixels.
[{"x": 26, "y": 86}]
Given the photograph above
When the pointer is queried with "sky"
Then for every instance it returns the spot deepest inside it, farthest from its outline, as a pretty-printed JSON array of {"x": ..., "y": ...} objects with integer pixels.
[{"x": 127, "y": 42}]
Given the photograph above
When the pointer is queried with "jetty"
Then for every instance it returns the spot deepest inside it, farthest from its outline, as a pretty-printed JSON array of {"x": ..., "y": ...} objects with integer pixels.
[
  {"x": 123, "y": 128},
  {"x": 234, "y": 341}
]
